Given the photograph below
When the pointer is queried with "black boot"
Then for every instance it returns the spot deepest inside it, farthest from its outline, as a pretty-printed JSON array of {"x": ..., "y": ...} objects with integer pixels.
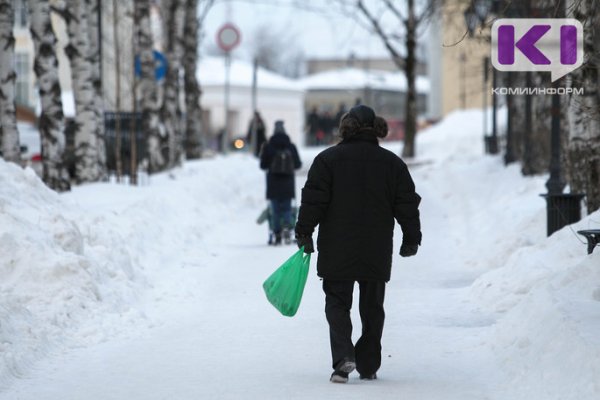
[{"x": 277, "y": 238}]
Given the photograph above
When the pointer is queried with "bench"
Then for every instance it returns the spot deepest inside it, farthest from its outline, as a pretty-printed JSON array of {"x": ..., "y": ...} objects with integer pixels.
[{"x": 593, "y": 238}]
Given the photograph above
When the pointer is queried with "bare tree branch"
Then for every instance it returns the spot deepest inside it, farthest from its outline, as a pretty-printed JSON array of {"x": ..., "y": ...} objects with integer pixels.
[
  {"x": 396, "y": 57},
  {"x": 205, "y": 8},
  {"x": 395, "y": 10}
]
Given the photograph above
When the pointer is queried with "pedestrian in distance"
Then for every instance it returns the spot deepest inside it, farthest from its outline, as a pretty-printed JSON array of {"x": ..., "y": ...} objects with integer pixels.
[
  {"x": 354, "y": 192},
  {"x": 256, "y": 127},
  {"x": 279, "y": 157}
]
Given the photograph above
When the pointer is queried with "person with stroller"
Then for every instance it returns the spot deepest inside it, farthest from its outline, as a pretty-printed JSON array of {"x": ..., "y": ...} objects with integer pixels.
[{"x": 280, "y": 159}]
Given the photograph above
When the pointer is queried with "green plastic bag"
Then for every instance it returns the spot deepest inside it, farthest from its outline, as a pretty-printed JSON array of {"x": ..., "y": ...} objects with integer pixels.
[{"x": 285, "y": 286}]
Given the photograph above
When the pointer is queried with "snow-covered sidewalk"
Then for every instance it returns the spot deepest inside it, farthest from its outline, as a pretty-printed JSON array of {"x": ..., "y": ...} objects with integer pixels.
[{"x": 155, "y": 292}]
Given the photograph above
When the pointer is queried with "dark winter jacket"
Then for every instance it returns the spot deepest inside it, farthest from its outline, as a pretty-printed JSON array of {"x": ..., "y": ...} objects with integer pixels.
[
  {"x": 354, "y": 191},
  {"x": 260, "y": 135},
  {"x": 279, "y": 187}
]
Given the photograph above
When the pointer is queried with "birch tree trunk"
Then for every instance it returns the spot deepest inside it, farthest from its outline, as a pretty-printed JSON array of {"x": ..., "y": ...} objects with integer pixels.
[
  {"x": 193, "y": 121},
  {"x": 583, "y": 151},
  {"x": 87, "y": 161},
  {"x": 174, "y": 20},
  {"x": 9, "y": 135},
  {"x": 93, "y": 14},
  {"x": 51, "y": 122},
  {"x": 148, "y": 88}
]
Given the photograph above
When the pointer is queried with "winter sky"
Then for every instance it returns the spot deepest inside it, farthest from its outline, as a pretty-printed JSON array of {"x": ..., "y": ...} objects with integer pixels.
[{"x": 319, "y": 34}]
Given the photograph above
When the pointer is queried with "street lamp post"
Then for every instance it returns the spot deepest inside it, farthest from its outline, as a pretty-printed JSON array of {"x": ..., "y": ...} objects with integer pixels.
[
  {"x": 509, "y": 156},
  {"x": 555, "y": 183}
]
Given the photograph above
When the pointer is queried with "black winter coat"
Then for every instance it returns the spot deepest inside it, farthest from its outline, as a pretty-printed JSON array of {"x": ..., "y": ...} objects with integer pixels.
[
  {"x": 279, "y": 187},
  {"x": 354, "y": 191}
]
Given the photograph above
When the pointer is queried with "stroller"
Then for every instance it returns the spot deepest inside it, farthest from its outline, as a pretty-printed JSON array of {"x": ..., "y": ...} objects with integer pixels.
[{"x": 267, "y": 215}]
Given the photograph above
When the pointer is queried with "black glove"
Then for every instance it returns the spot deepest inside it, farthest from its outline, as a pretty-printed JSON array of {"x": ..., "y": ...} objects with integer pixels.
[
  {"x": 306, "y": 241},
  {"x": 408, "y": 250}
]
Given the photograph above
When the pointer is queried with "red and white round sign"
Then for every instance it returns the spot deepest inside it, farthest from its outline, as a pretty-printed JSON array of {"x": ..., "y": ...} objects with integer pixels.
[{"x": 228, "y": 37}]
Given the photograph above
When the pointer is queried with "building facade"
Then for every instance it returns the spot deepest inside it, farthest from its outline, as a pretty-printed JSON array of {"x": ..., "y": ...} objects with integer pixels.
[{"x": 456, "y": 66}]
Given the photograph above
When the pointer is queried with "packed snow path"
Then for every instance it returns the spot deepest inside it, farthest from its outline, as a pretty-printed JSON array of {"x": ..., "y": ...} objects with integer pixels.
[{"x": 201, "y": 327}]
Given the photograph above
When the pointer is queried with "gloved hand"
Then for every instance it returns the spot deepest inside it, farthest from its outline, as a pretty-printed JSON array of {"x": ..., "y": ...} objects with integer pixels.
[
  {"x": 306, "y": 241},
  {"x": 408, "y": 250}
]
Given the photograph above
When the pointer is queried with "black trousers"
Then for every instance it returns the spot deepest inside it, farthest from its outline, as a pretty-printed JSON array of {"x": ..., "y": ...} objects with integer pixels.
[{"x": 338, "y": 302}]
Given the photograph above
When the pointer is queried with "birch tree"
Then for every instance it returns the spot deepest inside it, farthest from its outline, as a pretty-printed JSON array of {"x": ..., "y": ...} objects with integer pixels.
[
  {"x": 51, "y": 121},
  {"x": 88, "y": 162},
  {"x": 148, "y": 87},
  {"x": 193, "y": 120},
  {"x": 93, "y": 15},
  {"x": 9, "y": 135},
  {"x": 173, "y": 12},
  {"x": 583, "y": 150}
]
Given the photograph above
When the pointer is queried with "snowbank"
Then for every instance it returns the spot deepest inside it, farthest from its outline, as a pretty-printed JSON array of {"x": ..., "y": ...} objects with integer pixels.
[
  {"x": 547, "y": 298},
  {"x": 58, "y": 266},
  {"x": 73, "y": 266},
  {"x": 544, "y": 292}
]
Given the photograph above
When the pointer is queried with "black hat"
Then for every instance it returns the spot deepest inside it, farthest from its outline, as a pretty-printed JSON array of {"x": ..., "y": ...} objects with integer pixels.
[
  {"x": 279, "y": 127},
  {"x": 364, "y": 115}
]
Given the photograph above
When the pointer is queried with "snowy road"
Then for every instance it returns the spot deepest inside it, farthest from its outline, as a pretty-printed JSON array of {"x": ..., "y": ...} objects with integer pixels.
[{"x": 201, "y": 328}]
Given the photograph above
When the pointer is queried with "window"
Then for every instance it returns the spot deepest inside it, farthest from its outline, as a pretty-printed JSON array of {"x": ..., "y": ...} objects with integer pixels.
[{"x": 22, "y": 83}]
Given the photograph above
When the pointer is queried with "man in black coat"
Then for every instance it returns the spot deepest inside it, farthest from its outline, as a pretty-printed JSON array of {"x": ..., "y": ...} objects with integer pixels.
[
  {"x": 279, "y": 157},
  {"x": 354, "y": 192}
]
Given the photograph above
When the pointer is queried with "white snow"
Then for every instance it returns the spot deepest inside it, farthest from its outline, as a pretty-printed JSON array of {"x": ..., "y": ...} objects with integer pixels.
[
  {"x": 211, "y": 72},
  {"x": 154, "y": 292},
  {"x": 354, "y": 78}
]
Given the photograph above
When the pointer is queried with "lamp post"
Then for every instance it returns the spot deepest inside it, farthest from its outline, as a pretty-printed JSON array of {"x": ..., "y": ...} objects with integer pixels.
[{"x": 509, "y": 156}]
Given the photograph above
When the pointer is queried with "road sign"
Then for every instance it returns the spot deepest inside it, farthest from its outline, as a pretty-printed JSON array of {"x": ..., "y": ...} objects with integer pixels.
[
  {"x": 161, "y": 65},
  {"x": 228, "y": 37}
]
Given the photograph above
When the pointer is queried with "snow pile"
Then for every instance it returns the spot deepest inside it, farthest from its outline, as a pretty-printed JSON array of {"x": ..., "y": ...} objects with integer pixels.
[
  {"x": 56, "y": 268},
  {"x": 543, "y": 292},
  {"x": 547, "y": 297},
  {"x": 73, "y": 266}
]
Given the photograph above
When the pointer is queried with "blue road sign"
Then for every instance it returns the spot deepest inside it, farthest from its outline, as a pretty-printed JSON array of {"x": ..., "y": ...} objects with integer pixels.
[{"x": 161, "y": 65}]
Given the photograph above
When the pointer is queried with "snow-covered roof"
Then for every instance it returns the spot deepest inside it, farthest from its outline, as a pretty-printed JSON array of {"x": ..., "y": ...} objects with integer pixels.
[
  {"x": 211, "y": 72},
  {"x": 354, "y": 78}
]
